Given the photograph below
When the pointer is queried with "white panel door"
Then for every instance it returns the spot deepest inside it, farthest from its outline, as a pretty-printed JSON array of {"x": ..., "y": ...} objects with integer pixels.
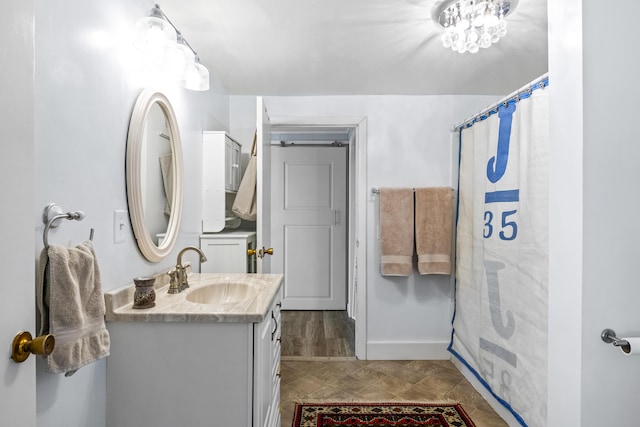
[
  {"x": 309, "y": 191},
  {"x": 263, "y": 189},
  {"x": 17, "y": 171}
]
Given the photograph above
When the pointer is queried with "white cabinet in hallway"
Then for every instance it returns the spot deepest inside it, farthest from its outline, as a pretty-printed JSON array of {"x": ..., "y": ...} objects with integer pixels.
[
  {"x": 226, "y": 252},
  {"x": 220, "y": 177}
]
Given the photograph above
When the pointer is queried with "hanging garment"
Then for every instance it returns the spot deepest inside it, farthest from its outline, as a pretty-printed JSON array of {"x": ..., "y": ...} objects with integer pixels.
[{"x": 245, "y": 204}]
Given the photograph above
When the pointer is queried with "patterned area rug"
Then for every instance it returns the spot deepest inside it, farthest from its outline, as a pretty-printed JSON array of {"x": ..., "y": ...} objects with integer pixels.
[{"x": 380, "y": 414}]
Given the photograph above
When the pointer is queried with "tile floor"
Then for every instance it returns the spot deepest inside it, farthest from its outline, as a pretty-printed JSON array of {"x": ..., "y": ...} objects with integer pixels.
[
  {"x": 318, "y": 365},
  {"x": 379, "y": 381}
]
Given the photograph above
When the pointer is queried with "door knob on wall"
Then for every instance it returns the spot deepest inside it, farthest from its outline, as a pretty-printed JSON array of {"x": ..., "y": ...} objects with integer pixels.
[
  {"x": 264, "y": 251},
  {"x": 24, "y": 345}
]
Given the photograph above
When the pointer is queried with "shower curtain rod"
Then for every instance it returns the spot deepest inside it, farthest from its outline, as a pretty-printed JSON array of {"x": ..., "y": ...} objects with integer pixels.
[{"x": 539, "y": 83}]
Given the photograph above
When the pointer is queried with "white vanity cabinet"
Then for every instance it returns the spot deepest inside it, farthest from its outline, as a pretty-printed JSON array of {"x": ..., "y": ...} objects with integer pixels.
[
  {"x": 220, "y": 177},
  {"x": 195, "y": 374},
  {"x": 226, "y": 252}
]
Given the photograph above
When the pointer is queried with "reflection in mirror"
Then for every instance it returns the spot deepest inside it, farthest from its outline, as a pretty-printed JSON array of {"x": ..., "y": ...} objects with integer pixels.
[{"x": 154, "y": 175}]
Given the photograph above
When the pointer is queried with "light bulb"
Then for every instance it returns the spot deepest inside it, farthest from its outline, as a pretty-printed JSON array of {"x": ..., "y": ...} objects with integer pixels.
[
  {"x": 180, "y": 57},
  {"x": 152, "y": 34},
  {"x": 196, "y": 77}
]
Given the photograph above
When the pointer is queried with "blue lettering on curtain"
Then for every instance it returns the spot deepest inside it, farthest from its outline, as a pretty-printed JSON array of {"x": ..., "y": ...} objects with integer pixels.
[{"x": 497, "y": 165}]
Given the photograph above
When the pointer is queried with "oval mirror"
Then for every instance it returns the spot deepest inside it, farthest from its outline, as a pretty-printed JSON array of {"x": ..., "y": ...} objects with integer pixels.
[{"x": 154, "y": 175}]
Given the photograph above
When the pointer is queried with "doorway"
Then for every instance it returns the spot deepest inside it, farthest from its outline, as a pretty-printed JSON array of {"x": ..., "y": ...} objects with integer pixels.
[
  {"x": 352, "y": 135},
  {"x": 308, "y": 223}
]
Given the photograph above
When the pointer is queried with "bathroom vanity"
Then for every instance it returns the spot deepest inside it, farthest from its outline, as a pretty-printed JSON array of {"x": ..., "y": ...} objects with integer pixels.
[{"x": 208, "y": 356}]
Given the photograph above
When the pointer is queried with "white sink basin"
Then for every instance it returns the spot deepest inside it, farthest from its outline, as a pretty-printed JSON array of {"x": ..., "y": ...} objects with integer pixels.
[{"x": 222, "y": 293}]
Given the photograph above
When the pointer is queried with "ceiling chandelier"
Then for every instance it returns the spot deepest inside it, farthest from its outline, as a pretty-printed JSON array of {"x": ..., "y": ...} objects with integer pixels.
[{"x": 472, "y": 24}]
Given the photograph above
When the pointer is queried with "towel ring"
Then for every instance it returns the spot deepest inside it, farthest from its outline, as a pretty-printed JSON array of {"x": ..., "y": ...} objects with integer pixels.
[{"x": 52, "y": 217}]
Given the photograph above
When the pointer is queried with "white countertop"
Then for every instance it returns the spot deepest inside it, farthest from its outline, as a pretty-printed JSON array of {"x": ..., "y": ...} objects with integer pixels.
[{"x": 177, "y": 307}]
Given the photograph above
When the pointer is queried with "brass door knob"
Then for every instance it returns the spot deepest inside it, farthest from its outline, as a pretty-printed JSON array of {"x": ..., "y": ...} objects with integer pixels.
[
  {"x": 251, "y": 252},
  {"x": 264, "y": 251},
  {"x": 24, "y": 345}
]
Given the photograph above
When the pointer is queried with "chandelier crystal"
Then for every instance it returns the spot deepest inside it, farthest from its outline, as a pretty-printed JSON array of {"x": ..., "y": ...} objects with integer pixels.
[{"x": 472, "y": 24}]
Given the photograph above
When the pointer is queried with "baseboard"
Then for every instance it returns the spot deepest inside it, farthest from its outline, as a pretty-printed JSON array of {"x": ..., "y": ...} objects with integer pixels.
[
  {"x": 503, "y": 412},
  {"x": 385, "y": 350}
]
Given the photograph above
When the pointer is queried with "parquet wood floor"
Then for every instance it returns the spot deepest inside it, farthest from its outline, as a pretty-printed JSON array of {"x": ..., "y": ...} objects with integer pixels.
[{"x": 319, "y": 364}]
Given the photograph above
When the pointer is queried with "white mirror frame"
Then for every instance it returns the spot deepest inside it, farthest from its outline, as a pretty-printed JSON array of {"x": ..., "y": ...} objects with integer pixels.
[{"x": 147, "y": 246}]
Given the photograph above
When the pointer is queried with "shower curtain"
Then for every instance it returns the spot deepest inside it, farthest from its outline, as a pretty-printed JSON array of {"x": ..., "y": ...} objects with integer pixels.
[{"x": 500, "y": 320}]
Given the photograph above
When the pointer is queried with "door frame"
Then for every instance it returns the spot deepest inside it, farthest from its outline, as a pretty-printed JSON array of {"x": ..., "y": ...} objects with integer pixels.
[{"x": 357, "y": 218}]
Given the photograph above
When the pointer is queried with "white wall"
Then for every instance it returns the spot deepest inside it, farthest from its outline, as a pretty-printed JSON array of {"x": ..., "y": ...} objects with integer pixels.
[
  {"x": 84, "y": 96},
  {"x": 565, "y": 213},
  {"x": 408, "y": 145}
]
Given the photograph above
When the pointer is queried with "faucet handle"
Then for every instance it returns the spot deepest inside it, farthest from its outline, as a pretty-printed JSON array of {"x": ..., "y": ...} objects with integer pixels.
[
  {"x": 182, "y": 278},
  {"x": 174, "y": 284}
]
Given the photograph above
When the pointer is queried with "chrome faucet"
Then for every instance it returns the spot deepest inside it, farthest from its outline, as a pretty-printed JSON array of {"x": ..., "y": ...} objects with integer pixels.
[{"x": 179, "y": 281}]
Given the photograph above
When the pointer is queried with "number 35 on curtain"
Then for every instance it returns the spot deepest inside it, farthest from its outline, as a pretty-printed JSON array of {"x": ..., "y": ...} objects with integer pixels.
[{"x": 508, "y": 225}]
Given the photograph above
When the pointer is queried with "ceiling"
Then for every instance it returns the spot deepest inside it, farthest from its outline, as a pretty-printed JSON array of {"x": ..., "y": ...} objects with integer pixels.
[{"x": 354, "y": 47}]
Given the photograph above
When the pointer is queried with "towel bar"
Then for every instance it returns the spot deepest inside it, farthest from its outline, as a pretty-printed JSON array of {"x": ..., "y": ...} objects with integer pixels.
[
  {"x": 51, "y": 217},
  {"x": 609, "y": 336},
  {"x": 377, "y": 190}
]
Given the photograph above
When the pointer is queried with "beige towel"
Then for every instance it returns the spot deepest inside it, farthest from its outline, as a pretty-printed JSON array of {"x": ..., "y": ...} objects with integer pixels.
[
  {"x": 396, "y": 231},
  {"x": 71, "y": 307},
  {"x": 434, "y": 219}
]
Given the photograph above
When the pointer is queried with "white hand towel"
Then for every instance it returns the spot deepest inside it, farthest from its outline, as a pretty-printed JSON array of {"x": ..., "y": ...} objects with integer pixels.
[{"x": 71, "y": 306}]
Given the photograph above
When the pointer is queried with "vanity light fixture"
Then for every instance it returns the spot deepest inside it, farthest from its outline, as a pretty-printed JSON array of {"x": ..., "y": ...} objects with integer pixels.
[
  {"x": 153, "y": 33},
  {"x": 160, "y": 40},
  {"x": 472, "y": 24},
  {"x": 196, "y": 76}
]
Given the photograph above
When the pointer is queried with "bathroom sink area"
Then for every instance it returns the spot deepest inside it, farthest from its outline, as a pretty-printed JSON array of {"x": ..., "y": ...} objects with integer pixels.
[
  {"x": 211, "y": 297},
  {"x": 222, "y": 293},
  {"x": 216, "y": 344}
]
